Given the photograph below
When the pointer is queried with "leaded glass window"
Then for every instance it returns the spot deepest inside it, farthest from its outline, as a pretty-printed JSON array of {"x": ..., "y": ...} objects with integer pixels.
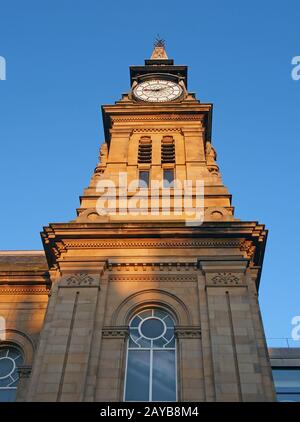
[
  {"x": 151, "y": 357},
  {"x": 10, "y": 359}
]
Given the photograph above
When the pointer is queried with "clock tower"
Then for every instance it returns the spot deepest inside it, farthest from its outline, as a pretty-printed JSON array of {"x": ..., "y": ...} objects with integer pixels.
[{"x": 155, "y": 282}]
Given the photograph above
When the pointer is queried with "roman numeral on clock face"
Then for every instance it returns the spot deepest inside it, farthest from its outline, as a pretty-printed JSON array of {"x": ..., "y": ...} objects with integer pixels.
[{"x": 157, "y": 90}]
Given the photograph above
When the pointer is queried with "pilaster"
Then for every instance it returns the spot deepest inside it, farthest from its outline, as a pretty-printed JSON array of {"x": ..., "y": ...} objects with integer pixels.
[{"x": 60, "y": 371}]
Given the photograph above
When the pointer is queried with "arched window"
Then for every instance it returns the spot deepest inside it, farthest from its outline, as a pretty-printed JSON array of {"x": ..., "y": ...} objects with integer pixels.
[
  {"x": 151, "y": 357},
  {"x": 10, "y": 359}
]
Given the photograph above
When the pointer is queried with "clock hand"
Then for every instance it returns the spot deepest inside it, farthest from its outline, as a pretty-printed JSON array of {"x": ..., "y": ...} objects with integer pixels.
[{"x": 153, "y": 89}]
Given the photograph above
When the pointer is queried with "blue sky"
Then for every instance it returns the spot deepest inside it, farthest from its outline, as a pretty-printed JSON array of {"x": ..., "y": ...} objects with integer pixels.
[{"x": 65, "y": 58}]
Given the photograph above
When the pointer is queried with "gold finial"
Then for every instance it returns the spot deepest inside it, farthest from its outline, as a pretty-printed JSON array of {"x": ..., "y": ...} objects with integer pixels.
[{"x": 159, "y": 51}]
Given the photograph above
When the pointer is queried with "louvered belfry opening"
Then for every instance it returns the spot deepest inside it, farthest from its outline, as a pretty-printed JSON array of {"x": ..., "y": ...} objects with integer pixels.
[
  {"x": 145, "y": 150},
  {"x": 168, "y": 150}
]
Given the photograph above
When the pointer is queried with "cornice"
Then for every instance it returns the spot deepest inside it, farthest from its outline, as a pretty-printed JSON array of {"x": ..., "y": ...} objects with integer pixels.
[
  {"x": 149, "y": 243},
  {"x": 157, "y": 117},
  {"x": 217, "y": 228},
  {"x": 24, "y": 290},
  {"x": 157, "y": 130},
  {"x": 160, "y": 266},
  {"x": 189, "y": 107},
  {"x": 248, "y": 237},
  {"x": 25, "y": 274},
  {"x": 25, "y": 279},
  {"x": 184, "y": 111},
  {"x": 152, "y": 278}
]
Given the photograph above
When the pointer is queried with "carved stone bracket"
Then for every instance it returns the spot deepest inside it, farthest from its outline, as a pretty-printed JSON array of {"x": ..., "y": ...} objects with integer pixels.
[
  {"x": 249, "y": 249},
  {"x": 59, "y": 249},
  {"x": 187, "y": 332},
  {"x": 214, "y": 170}
]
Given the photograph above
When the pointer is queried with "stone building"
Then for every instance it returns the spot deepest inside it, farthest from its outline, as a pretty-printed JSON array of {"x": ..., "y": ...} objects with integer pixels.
[{"x": 145, "y": 305}]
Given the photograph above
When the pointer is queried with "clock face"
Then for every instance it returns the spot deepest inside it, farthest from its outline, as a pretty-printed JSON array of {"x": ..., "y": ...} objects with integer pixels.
[{"x": 157, "y": 90}]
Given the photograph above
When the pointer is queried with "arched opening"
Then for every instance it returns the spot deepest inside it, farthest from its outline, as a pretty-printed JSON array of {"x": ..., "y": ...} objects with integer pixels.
[
  {"x": 11, "y": 358},
  {"x": 151, "y": 357}
]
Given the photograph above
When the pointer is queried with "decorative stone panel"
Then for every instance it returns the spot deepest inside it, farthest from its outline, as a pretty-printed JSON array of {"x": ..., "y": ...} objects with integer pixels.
[
  {"x": 80, "y": 280},
  {"x": 224, "y": 279},
  {"x": 187, "y": 332},
  {"x": 114, "y": 332}
]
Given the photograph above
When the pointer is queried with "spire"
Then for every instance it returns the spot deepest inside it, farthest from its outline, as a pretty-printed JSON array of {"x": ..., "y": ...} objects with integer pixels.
[{"x": 159, "y": 52}]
